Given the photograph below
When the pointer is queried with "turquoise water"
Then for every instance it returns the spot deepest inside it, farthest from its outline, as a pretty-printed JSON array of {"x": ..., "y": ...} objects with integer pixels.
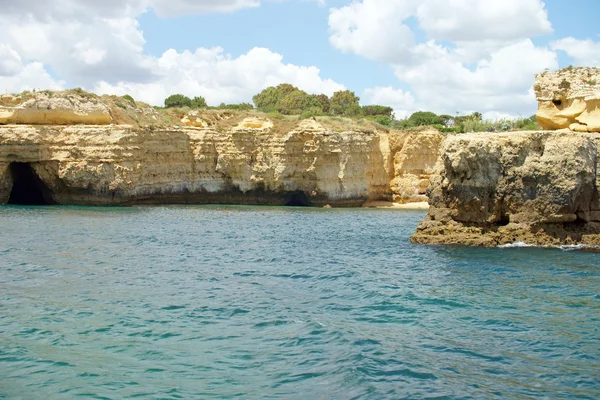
[{"x": 222, "y": 302}]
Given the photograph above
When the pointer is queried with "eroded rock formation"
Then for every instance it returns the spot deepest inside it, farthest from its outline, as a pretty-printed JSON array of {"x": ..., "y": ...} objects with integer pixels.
[
  {"x": 569, "y": 99},
  {"x": 540, "y": 188},
  {"x": 227, "y": 159}
]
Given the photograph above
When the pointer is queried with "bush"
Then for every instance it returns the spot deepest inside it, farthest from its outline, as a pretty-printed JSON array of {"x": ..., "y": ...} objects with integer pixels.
[
  {"x": 198, "y": 102},
  {"x": 294, "y": 103},
  {"x": 345, "y": 102},
  {"x": 322, "y": 101},
  {"x": 380, "y": 119},
  {"x": 312, "y": 112},
  {"x": 178, "y": 100},
  {"x": 422, "y": 118},
  {"x": 129, "y": 99},
  {"x": 378, "y": 110},
  {"x": 275, "y": 115},
  {"x": 269, "y": 99},
  {"x": 238, "y": 107}
]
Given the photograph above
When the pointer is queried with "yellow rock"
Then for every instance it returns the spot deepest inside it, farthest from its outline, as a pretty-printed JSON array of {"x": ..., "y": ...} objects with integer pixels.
[{"x": 569, "y": 98}]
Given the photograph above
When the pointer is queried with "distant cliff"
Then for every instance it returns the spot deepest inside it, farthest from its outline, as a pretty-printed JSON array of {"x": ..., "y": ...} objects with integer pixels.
[
  {"x": 219, "y": 157},
  {"x": 540, "y": 188}
]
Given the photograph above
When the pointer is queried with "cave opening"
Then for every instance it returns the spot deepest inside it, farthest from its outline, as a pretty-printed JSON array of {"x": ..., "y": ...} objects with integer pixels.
[
  {"x": 28, "y": 189},
  {"x": 297, "y": 199},
  {"x": 504, "y": 220}
]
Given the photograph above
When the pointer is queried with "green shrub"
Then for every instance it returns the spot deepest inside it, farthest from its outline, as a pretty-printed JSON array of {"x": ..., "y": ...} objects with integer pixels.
[
  {"x": 238, "y": 107},
  {"x": 198, "y": 102},
  {"x": 178, "y": 100},
  {"x": 378, "y": 110},
  {"x": 345, "y": 102},
  {"x": 380, "y": 119},
  {"x": 312, "y": 112},
  {"x": 119, "y": 104},
  {"x": 294, "y": 103},
  {"x": 565, "y": 84},
  {"x": 424, "y": 118},
  {"x": 275, "y": 115},
  {"x": 320, "y": 100},
  {"x": 269, "y": 99},
  {"x": 129, "y": 99}
]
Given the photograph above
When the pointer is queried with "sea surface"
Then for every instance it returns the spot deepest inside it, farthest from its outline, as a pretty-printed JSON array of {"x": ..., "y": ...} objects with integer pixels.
[{"x": 284, "y": 303}]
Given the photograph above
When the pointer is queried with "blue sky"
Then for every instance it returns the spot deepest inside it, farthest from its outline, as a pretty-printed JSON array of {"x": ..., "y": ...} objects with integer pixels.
[{"x": 440, "y": 55}]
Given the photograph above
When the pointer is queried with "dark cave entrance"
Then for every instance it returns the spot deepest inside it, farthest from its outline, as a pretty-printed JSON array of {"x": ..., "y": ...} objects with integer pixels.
[
  {"x": 297, "y": 199},
  {"x": 28, "y": 189}
]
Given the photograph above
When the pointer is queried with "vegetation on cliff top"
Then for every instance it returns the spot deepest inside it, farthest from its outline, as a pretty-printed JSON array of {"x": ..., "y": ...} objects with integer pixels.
[{"x": 284, "y": 103}]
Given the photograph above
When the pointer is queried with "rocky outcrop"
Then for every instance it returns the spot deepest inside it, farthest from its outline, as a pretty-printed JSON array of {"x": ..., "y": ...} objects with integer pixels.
[
  {"x": 569, "y": 99},
  {"x": 540, "y": 188},
  {"x": 63, "y": 108},
  {"x": 251, "y": 161}
]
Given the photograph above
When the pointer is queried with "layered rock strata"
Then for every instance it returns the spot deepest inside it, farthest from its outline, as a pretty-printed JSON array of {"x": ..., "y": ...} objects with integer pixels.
[
  {"x": 569, "y": 98},
  {"x": 48, "y": 108},
  {"x": 540, "y": 188},
  {"x": 251, "y": 162}
]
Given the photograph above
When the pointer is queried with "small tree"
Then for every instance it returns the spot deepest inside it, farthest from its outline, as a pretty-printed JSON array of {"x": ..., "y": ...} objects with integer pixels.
[
  {"x": 343, "y": 102},
  {"x": 378, "y": 110},
  {"x": 422, "y": 118},
  {"x": 321, "y": 101},
  {"x": 294, "y": 103},
  {"x": 269, "y": 99},
  {"x": 178, "y": 100},
  {"x": 198, "y": 102}
]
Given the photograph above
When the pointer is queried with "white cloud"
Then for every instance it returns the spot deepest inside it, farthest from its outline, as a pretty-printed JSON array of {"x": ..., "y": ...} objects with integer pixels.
[
  {"x": 99, "y": 45},
  {"x": 477, "y": 20},
  {"x": 31, "y": 76},
  {"x": 584, "y": 52},
  {"x": 219, "y": 78},
  {"x": 10, "y": 61},
  {"x": 82, "y": 51},
  {"x": 502, "y": 82},
  {"x": 478, "y": 55},
  {"x": 60, "y": 10},
  {"x": 373, "y": 28}
]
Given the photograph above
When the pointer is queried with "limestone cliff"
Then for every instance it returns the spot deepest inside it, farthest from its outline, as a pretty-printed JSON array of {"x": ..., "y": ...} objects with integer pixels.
[
  {"x": 569, "y": 98},
  {"x": 228, "y": 158},
  {"x": 541, "y": 188}
]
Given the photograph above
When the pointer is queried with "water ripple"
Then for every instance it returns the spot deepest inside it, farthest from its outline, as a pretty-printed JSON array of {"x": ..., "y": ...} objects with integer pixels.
[{"x": 222, "y": 302}]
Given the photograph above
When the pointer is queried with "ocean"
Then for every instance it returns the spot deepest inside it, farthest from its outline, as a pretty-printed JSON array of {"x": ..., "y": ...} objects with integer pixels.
[{"x": 220, "y": 302}]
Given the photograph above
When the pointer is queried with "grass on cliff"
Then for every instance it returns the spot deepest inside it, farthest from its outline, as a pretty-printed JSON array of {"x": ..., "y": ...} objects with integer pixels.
[{"x": 125, "y": 110}]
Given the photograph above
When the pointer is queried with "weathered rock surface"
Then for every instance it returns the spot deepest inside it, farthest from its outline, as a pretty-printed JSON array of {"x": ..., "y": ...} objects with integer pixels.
[
  {"x": 541, "y": 188},
  {"x": 57, "y": 109},
  {"x": 251, "y": 162},
  {"x": 569, "y": 99},
  {"x": 414, "y": 156}
]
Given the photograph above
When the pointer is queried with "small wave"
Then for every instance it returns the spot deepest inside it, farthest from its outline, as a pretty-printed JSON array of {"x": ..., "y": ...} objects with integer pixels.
[
  {"x": 515, "y": 245},
  {"x": 581, "y": 247},
  {"x": 566, "y": 247}
]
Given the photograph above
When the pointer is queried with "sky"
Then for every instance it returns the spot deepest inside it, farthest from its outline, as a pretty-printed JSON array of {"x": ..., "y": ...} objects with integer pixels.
[{"x": 445, "y": 56}]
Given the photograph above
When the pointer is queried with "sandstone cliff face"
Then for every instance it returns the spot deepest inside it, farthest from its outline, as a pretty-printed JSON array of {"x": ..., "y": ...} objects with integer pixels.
[
  {"x": 569, "y": 98},
  {"x": 414, "y": 156},
  {"x": 540, "y": 188},
  {"x": 249, "y": 163}
]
